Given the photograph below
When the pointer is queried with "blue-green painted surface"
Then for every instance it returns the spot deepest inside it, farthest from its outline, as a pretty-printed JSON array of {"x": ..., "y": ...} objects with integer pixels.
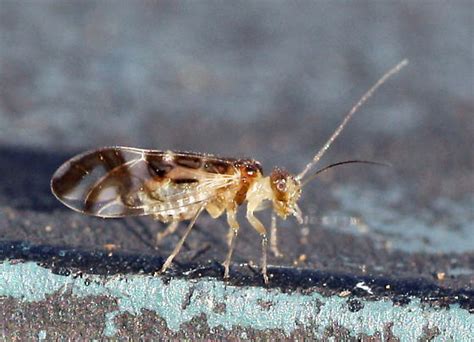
[{"x": 243, "y": 305}]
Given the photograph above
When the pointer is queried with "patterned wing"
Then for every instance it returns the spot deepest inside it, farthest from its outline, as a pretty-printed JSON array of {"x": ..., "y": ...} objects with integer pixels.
[{"x": 123, "y": 181}]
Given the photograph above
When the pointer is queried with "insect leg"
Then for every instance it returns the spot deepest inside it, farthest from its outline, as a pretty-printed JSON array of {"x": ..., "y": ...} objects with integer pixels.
[
  {"x": 170, "y": 229},
  {"x": 258, "y": 226},
  {"x": 178, "y": 246},
  {"x": 274, "y": 237},
  {"x": 233, "y": 232}
]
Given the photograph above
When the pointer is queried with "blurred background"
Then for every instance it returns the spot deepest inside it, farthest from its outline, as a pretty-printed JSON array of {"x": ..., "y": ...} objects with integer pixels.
[{"x": 269, "y": 80}]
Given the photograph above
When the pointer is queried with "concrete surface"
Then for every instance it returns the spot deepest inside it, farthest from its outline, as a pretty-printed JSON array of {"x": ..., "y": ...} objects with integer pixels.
[{"x": 384, "y": 254}]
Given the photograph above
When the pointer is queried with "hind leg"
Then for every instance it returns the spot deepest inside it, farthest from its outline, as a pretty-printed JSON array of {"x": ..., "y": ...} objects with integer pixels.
[
  {"x": 178, "y": 246},
  {"x": 170, "y": 229}
]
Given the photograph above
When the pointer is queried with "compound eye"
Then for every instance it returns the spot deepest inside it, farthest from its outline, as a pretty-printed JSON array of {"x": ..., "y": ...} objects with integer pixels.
[{"x": 281, "y": 185}]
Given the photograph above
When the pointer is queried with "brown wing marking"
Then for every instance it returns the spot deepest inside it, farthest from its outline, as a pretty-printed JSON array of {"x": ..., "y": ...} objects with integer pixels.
[
  {"x": 90, "y": 181},
  {"x": 121, "y": 181}
]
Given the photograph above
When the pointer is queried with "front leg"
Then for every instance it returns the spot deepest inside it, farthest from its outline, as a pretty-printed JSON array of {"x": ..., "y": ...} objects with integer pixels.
[
  {"x": 258, "y": 226},
  {"x": 274, "y": 237}
]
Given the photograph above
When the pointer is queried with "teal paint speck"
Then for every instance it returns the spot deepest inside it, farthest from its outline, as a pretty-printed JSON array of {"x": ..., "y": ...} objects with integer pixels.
[
  {"x": 230, "y": 306},
  {"x": 42, "y": 335},
  {"x": 110, "y": 329}
]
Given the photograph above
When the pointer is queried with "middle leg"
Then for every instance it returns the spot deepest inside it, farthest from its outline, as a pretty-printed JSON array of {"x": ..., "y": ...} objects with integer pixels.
[{"x": 258, "y": 226}]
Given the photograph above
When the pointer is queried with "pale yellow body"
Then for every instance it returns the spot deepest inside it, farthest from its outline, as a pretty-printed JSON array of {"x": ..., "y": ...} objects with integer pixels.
[
  {"x": 171, "y": 187},
  {"x": 259, "y": 192}
]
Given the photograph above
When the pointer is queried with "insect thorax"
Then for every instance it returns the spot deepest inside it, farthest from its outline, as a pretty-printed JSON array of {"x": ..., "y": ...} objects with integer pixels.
[{"x": 250, "y": 171}]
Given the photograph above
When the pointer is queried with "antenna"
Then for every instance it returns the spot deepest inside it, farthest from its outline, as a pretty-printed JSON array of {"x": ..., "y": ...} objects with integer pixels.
[
  {"x": 349, "y": 115},
  {"x": 324, "y": 169}
]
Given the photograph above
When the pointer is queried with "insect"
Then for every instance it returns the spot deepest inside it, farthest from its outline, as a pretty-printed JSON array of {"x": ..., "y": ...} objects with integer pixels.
[{"x": 176, "y": 186}]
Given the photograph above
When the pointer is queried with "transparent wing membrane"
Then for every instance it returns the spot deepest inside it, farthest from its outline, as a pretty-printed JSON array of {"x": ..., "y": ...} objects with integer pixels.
[{"x": 122, "y": 181}]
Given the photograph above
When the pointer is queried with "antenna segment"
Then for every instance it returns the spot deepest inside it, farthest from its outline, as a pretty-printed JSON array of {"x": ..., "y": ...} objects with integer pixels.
[{"x": 349, "y": 115}]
